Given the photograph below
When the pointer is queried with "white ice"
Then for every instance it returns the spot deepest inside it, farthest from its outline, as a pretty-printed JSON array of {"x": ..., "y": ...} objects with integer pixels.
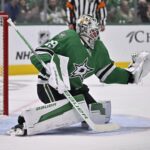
[{"x": 130, "y": 109}]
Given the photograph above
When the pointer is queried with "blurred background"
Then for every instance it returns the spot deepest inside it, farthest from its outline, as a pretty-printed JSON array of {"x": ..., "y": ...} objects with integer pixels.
[{"x": 44, "y": 11}]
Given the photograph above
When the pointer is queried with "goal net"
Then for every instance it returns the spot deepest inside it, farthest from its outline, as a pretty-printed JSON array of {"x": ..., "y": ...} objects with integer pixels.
[{"x": 3, "y": 64}]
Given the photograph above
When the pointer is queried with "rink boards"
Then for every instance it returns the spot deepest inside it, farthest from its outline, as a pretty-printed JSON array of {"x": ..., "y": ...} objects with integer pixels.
[{"x": 121, "y": 41}]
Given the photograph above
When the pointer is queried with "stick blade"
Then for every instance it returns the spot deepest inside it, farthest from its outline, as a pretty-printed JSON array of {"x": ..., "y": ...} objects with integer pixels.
[{"x": 106, "y": 127}]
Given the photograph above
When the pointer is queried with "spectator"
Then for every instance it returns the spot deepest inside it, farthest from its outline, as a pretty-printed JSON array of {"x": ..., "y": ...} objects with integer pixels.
[
  {"x": 143, "y": 11},
  {"x": 54, "y": 13},
  {"x": 112, "y": 16},
  {"x": 12, "y": 9},
  {"x": 125, "y": 14},
  {"x": 29, "y": 14},
  {"x": 148, "y": 10},
  {"x": 112, "y": 7},
  {"x": 112, "y": 3},
  {"x": 23, "y": 11}
]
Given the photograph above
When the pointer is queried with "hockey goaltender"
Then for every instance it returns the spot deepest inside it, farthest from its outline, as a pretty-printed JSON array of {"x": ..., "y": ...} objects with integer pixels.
[{"x": 63, "y": 63}]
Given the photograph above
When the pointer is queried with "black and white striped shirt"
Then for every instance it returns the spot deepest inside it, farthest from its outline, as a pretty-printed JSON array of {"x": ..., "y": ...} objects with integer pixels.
[{"x": 76, "y": 8}]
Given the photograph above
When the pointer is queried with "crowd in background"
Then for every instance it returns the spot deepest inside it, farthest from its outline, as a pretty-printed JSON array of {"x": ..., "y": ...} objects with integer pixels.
[
  {"x": 128, "y": 11},
  {"x": 54, "y": 11}
]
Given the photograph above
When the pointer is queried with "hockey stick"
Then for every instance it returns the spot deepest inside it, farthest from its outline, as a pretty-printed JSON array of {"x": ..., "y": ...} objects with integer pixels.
[{"x": 85, "y": 117}]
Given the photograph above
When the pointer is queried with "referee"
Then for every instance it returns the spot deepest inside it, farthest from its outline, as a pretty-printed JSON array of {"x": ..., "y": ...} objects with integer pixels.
[{"x": 76, "y": 8}]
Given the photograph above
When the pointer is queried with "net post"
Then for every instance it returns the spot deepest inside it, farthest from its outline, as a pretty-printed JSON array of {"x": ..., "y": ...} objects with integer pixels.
[
  {"x": 5, "y": 63},
  {"x": 6, "y": 90}
]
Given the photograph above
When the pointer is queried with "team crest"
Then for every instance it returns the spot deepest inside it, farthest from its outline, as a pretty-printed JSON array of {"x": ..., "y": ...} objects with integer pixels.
[{"x": 81, "y": 70}]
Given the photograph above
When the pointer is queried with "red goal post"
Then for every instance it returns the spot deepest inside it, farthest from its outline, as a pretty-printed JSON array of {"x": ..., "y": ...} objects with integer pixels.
[{"x": 3, "y": 64}]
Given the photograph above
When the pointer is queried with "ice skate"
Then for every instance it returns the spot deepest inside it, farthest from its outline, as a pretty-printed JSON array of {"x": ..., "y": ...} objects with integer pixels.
[{"x": 17, "y": 130}]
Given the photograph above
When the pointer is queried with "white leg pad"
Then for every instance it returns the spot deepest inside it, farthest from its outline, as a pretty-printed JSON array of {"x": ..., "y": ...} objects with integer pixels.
[
  {"x": 100, "y": 112},
  {"x": 52, "y": 116}
]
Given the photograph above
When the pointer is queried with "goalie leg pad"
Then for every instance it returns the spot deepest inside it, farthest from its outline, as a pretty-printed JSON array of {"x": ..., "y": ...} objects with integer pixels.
[
  {"x": 52, "y": 116},
  {"x": 100, "y": 112}
]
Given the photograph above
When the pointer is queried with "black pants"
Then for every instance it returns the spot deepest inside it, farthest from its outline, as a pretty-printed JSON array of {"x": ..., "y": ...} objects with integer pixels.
[{"x": 48, "y": 94}]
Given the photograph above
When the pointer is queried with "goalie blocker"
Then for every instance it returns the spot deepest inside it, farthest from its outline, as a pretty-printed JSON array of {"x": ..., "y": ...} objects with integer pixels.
[{"x": 59, "y": 114}]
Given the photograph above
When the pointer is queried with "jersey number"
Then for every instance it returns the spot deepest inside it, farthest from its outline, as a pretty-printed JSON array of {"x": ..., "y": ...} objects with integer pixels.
[{"x": 51, "y": 44}]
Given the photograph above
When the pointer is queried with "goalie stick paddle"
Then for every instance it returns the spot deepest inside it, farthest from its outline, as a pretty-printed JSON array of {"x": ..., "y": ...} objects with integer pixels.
[
  {"x": 96, "y": 127},
  {"x": 85, "y": 117}
]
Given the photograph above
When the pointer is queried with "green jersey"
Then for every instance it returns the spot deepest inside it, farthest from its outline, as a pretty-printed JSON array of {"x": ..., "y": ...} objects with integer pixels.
[{"x": 83, "y": 61}]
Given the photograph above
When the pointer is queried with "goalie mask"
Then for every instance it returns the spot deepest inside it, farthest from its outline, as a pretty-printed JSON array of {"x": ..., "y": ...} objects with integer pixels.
[{"x": 88, "y": 29}]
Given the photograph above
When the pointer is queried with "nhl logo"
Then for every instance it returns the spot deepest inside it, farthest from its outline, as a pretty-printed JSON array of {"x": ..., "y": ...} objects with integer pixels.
[{"x": 43, "y": 37}]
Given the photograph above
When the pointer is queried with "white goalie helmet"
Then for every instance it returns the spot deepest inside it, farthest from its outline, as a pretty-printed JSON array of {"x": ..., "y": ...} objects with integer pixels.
[{"x": 88, "y": 29}]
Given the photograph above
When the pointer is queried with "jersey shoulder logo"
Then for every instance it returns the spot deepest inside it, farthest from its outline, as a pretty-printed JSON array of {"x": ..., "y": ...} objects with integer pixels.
[
  {"x": 81, "y": 70},
  {"x": 62, "y": 35}
]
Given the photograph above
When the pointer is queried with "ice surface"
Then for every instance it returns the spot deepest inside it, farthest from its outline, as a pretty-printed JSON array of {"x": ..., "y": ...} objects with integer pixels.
[{"x": 130, "y": 109}]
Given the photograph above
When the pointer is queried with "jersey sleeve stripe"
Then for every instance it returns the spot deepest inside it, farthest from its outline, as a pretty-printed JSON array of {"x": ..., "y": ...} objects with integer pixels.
[
  {"x": 102, "y": 70},
  {"x": 107, "y": 73},
  {"x": 42, "y": 50},
  {"x": 104, "y": 73}
]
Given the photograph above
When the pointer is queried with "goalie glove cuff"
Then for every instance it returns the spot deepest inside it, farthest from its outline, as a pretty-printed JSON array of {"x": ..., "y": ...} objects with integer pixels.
[{"x": 131, "y": 78}]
